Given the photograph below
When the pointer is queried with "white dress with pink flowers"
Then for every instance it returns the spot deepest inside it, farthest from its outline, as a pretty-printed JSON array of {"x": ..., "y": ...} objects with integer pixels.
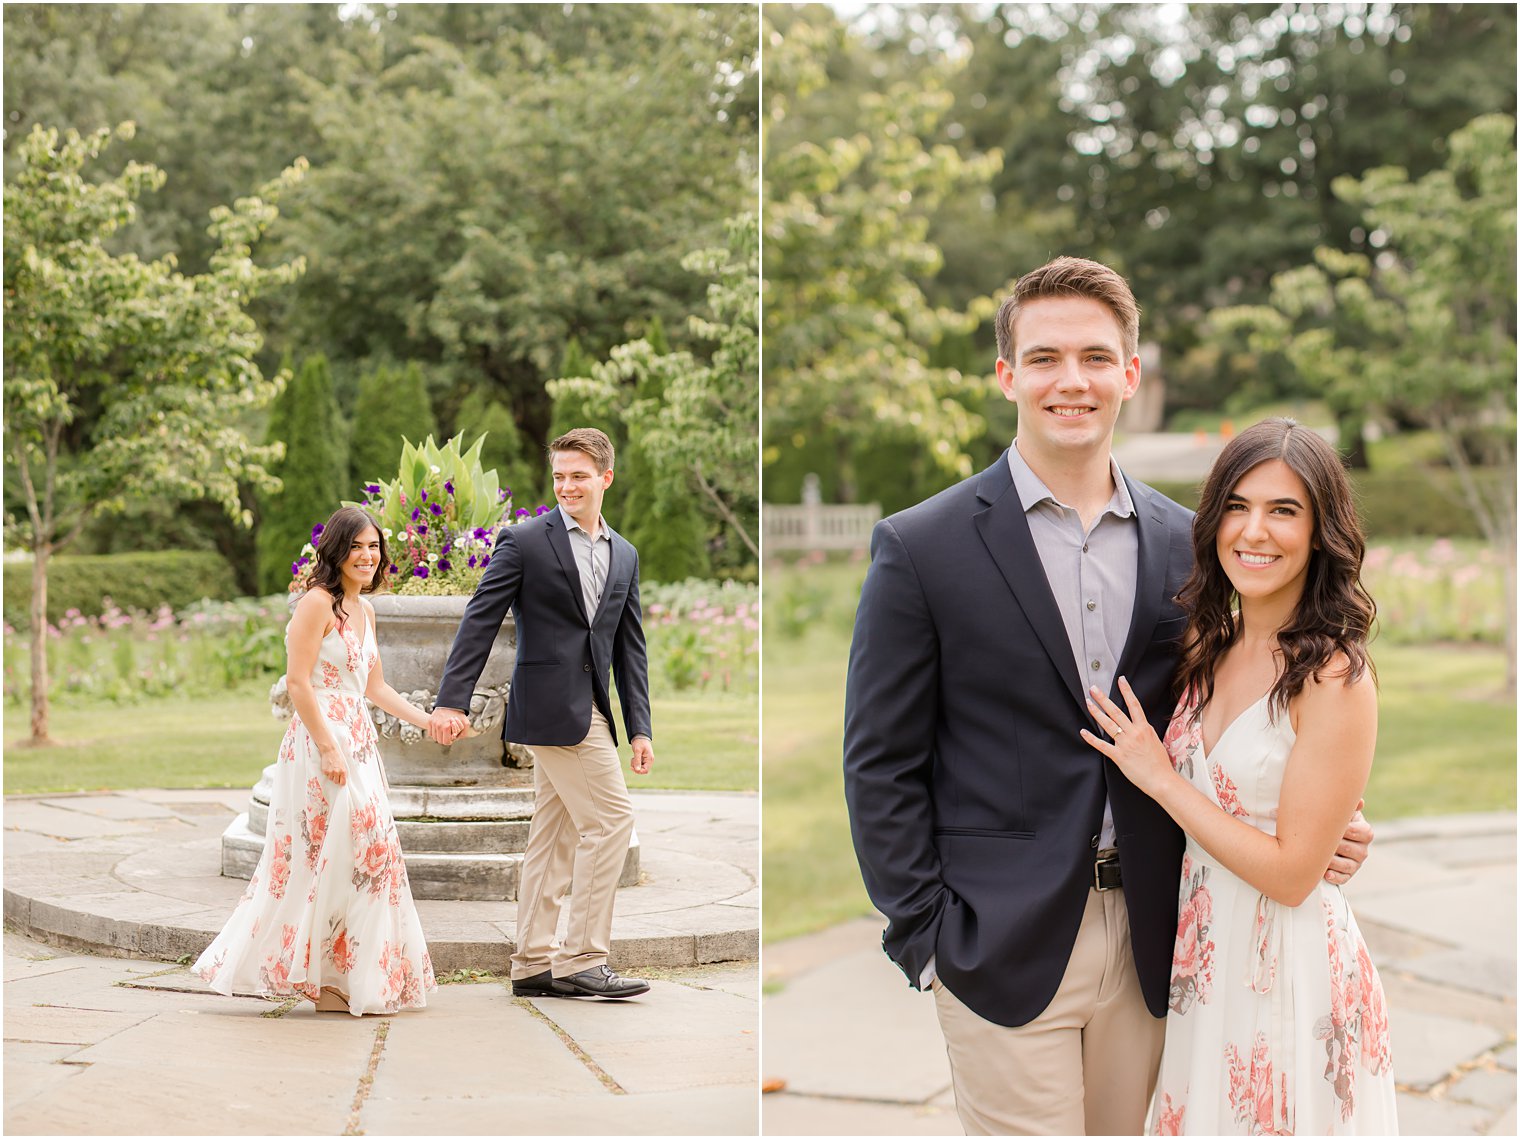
[
  {"x": 1277, "y": 1023},
  {"x": 328, "y": 904}
]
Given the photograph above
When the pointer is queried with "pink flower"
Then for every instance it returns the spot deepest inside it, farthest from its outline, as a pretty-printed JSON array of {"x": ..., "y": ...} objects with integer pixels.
[
  {"x": 375, "y": 860},
  {"x": 279, "y": 869},
  {"x": 1169, "y": 1118},
  {"x": 341, "y": 949}
]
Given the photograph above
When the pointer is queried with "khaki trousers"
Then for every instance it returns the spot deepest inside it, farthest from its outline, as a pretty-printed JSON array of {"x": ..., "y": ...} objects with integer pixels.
[
  {"x": 1086, "y": 1065},
  {"x": 582, "y": 822}
]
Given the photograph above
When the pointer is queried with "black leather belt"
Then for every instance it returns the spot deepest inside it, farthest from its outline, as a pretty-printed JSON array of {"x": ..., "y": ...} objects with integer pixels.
[{"x": 1106, "y": 870}]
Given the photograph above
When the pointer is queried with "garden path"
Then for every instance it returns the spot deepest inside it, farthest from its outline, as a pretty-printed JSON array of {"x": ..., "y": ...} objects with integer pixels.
[{"x": 861, "y": 1054}]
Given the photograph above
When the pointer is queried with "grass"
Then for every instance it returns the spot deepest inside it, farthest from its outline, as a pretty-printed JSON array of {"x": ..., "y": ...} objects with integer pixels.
[
  {"x": 1446, "y": 744},
  {"x": 702, "y": 742}
]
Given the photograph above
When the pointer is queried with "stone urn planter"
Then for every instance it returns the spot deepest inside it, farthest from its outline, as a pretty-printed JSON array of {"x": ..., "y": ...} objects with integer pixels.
[{"x": 462, "y": 811}]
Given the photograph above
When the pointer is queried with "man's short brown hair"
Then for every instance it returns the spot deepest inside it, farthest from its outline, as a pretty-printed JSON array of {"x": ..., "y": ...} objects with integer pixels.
[
  {"x": 588, "y": 441},
  {"x": 1072, "y": 277}
]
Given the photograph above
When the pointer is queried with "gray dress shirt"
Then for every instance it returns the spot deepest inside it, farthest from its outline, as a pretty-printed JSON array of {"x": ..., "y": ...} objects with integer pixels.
[
  {"x": 593, "y": 561},
  {"x": 1092, "y": 574},
  {"x": 593, "y": 558}
]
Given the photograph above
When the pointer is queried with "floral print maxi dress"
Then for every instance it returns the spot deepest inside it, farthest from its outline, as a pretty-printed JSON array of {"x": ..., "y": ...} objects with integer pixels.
[
  {"x": 328, "y": 904},
  {"x": 1277, "y": 1023}
]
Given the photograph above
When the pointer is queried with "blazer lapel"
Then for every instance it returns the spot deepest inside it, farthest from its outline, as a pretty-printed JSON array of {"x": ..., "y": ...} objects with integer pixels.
[
  {"x": 1005, "y": 531},
  {"x": 1155, "y": 541},
  {"x": 559, "y": 539}
]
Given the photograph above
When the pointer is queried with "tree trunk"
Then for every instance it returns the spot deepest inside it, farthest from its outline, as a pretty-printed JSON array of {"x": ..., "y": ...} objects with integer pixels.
[
  {"x": 1351, "y": 425},
  {"x": 40, "y": 737},
  {"x": 1507, "y": 561}
]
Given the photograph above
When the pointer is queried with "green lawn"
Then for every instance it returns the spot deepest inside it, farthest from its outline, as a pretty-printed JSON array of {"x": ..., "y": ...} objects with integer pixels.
[
  {"x": 1446, "y": 744},
  {"x": 704, "y": 742}
]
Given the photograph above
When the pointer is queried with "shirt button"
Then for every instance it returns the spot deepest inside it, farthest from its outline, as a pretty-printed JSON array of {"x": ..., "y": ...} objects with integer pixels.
[
  {"x": 1091, "y": 605},
  {"x": 587, "y": 667},
  {"x": 1097, "y": 664},
  {"x": 1084, "y": 547}
]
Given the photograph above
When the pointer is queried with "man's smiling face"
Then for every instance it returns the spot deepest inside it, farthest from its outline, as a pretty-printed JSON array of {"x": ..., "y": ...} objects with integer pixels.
[
  {"x": 1069, "y": 377},
  {"x": 579, "y": 486}
]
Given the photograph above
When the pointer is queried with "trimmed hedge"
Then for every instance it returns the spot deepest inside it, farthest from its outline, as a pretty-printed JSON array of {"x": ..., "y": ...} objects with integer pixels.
[
  {"x": 133, "y": 581},
  {"x": 1413, "y": 502}
]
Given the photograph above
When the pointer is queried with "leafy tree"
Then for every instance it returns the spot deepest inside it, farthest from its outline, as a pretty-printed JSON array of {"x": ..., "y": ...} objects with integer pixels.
[
  {"x": 122, "y": 376},
  {"x": 313, "y": 472},
  {"x": 1195, "y": 148},
  {"x": 516, "y": 464},
  {"x": 693, "y": 419},
  {"x": 392, "y": 406},
  {"x": 205, "y": 84},
  {"x": 613, "y": 146},
  {"x": 849, "y": 331},
  {"x": 1428, "y": 327}
]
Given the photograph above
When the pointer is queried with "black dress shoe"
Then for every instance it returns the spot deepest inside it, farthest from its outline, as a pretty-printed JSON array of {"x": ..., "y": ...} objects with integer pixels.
[
  {"x": 599, "y": 982},
  {"x": 538, "y": 985}
]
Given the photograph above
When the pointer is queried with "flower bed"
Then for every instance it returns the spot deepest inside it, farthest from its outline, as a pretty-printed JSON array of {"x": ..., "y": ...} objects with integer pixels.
[
  {"x": 702, "y": 635},
  {"x": 125, "y": 656}
]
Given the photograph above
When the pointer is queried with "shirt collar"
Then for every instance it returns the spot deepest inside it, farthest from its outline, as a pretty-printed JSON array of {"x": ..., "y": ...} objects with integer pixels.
[
  {"x": 1032, "y": 489},
  {"x": 572, "y": 524}
]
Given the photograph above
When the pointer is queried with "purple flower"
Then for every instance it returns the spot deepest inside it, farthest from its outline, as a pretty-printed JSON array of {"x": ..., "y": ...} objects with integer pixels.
[
  {"x": 424, "y": 496},
  {"x": 448, "y": 486},
  {"x": 485, "y": 561},
  {"x": 501, "y": 496},
  {"x": 316, "y": 531},
  {"x": 371, "y": 488},
  {"x": 394, "y": 568},
  {"x": 447, "y": 546},
  {"x": 419, "y": 571},
  {"x": 435, "y": 508},
  {"x": 522, "y": 511},
  {"x": 507, "y": 493},
  {"x": 416, "y": 514},
  {"x": 443, "y": 565},
  {"x": 542, "y": 510},
  {"x": 295, "y": 569},
  {"x": 472, "y": 561},
  {"x": 479, "y": 532},
  {"x": 422, "y": 529}
]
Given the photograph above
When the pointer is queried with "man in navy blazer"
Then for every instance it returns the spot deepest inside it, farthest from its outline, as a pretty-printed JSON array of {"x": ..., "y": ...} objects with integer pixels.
[
  {"x": 1023, "y": 877},
  {"x": 572, "y": 585}
]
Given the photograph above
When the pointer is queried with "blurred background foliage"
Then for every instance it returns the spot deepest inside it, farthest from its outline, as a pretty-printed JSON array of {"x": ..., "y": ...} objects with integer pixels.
[
  {"x": 920, "y": 158},
  {"x": 495, "y": 192}
]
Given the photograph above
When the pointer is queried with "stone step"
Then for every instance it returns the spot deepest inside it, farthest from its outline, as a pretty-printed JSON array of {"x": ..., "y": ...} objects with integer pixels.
[
  {"x": 464, "y": 875},
  {"x": 500, "y": 834}
]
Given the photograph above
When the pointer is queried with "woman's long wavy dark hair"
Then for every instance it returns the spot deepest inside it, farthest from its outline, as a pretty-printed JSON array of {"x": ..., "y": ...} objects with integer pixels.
[
  {"x": 338, "y": 534},
  {"x": 1334, "y": 614}
]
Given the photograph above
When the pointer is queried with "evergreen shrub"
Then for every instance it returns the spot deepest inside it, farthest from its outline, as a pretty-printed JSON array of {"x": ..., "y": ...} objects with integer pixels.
[{"x": 133, "y": 581}]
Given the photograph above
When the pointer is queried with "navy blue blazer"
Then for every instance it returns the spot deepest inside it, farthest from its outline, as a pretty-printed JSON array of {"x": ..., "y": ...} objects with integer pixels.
[
  {"x": 563, "y": 655},
  {"x": 974, "y": 805}
]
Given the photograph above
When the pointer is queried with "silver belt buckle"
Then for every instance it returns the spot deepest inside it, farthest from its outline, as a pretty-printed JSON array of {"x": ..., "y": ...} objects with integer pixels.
[{"x": 1106, "y": 858}]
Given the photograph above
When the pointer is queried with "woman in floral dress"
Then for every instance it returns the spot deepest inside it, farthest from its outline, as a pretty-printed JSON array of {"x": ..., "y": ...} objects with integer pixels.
[
  {"x": 1277, "y": 1022},
  {"x": 328, "y": 913}
]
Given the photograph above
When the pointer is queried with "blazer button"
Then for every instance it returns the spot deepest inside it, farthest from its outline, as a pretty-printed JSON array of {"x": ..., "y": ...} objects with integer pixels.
[{"x": 585, "y": 668}]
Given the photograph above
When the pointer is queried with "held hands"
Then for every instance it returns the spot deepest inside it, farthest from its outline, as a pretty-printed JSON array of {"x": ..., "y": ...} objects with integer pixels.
[
  {"x": 643, "y": 756},
  {"x": 445, "y": 725},
  {"x": 1136, "y": 750}
]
